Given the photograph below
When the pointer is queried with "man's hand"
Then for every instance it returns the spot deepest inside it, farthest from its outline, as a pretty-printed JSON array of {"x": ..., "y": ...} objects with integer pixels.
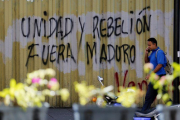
[
  {"x": 147, "y": 77},
  {"x": 147, "y": 50}
]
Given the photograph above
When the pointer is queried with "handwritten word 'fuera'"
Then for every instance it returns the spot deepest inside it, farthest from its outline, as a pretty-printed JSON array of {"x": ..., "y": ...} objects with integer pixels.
[{"x": 60, "y": 53}]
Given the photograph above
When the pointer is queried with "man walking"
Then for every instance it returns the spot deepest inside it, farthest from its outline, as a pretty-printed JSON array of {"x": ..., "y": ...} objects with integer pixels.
[{"x": 158, "y": 59}]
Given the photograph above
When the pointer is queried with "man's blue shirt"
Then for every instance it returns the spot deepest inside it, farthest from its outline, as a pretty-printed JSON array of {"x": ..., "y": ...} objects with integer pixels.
[{"x": 161, "y": 59}]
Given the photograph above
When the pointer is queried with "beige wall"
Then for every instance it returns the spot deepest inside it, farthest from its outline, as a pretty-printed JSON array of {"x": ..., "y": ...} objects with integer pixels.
[{"x": 119, "y": 29}]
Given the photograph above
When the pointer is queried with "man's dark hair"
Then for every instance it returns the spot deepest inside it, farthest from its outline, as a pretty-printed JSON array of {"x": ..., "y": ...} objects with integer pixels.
[{"x": 153, "y": 40}]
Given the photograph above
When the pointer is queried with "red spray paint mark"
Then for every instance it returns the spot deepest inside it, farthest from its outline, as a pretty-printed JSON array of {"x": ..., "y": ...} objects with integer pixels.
[
  {"x": 132, "y": 83},
  {"x": 125, "y": 78},
  {"x": 117, "y": 80},
  {"x": 140, "y": 84}
]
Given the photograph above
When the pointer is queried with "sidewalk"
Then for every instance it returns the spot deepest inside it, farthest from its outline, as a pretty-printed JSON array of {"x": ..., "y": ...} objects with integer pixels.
[{"x": 60, "y": 114}]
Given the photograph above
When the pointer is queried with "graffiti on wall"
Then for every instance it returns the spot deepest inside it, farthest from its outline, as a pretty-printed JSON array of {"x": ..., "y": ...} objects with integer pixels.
[
  {"x": 131, "y": 83},
  {"x": 82, "y": 40},
  {"x": 128, "y": 51},
  {"x": 112, "y": 26},
  {"x": 115, "y": 26}
]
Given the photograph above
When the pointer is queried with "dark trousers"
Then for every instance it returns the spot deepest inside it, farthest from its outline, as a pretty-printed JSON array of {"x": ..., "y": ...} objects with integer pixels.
[{"x": 150, "y": 96}]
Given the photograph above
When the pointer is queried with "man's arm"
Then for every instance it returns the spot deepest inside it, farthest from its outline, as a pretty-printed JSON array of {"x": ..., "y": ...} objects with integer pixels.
[
  {"x": 146, "y": 59},
  {"x": 158, "y": 67}
]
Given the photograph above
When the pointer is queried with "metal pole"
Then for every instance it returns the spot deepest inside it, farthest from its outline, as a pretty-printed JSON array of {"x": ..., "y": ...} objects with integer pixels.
[{"x": 176, "y": 49}]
